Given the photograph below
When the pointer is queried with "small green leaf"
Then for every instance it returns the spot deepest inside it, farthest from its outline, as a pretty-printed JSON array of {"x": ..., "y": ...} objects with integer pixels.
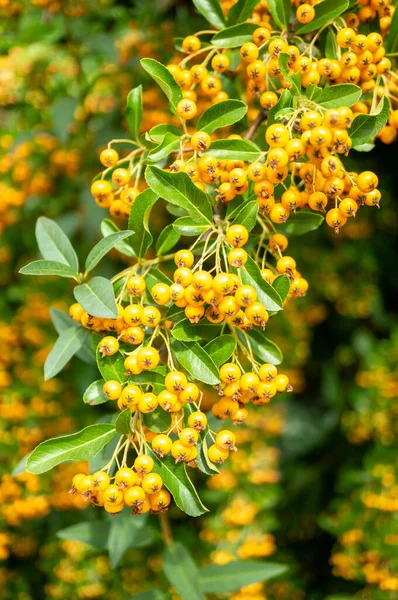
[
  {"x": 93, "y": 533},
  {"x": 62, "y": 112},
  {"x": 186, "y": 331},
  {"x": 97, "y": 298},
  {"x": 203, "y": 462},
  {"x": 196, "y": 361},
  {"x": 285, "y": 101},
  {"x": 235, "y": 150},
  {"x": 218, "y": 579},
  {"x": 331, "y": 46},
  {"x": 154, "y": 594},
  {"x": 123, "y": 422},
  {"x": 181, "y": 572},
  {"x": 48, "y": 267},
  {"x": 365, "y": 127},
  {"x": 61, "y": 320},
  {"x": 301, "y": 222},
  {"x": 247, "y": 215},
  {"x": 128, "y": 531},
  {"x": 391, "y": 41},
  {"x": 67, "y": 344},
  {"x": 282, "y": 286},
  {"x": 164, "y": 79},
  {"x": 169, "y": 143},
  {"x": 83, "y": 445},
  {"x": 134, "y": 111},
  {"x": 158, "y": 132},
  {"x": 54, "y": 245},
  {"x": 138, "y": 222},
  {"x": 108, "y": 227},
  {"x": 221, "y": 114},
  {"x": 334, "y": 96},
  {"x": 167, "y": 239},
  {"x": 251, "y": 275},
  {"x": 241, "y": 11},
  {"x": 178, "y": 188},
  {"x": 262, "y": 347},
  {"x": 211, "y": 11},
  {"x": 94, "y": 393},
  {"x": 280, "y": 11},
  {"x": 176, "y": 480},
  {"x": 221, "y": 349},
  {"x": 103, "y": 247},
  {"x": 158, "y": 421},
  {"x": 294, "y": 79},
  {"x": 110, "y": 367},
  {"x": 235, "y": 36},
  {"x": 325, "y": 12},
  {"x": 187, "y": 226}
]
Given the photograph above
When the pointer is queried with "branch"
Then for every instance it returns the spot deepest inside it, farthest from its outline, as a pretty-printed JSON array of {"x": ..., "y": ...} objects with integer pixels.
[{"x": 256, "y": 124}]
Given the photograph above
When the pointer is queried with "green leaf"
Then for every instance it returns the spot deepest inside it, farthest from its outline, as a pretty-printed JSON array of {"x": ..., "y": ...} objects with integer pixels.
[
  {"x": 138, "y": 222},
  {"x": 158, "y": 132},
  {"x": 241, "y": 11},
  {"x": 103, "y": 247},
  {"x": 217, "y": 579},
  {"x": 83, "y": 445},
  {"x": 187, "y": 226},
  {"x": 181, "y": 572},
  {"x": 20, "y": 467},
  {"x": 128, "y": 531},
  {"x": 67, "y": 344},
  {"x": 365, "y": 147},
  {"x": 390, "y": 43},
  {"x": 247, "y": 215},
  {"x": 94, "y": 393},
  {"x": 262, "y": 347},
  {"x": 62, "y": 321},
  {"x": 186, "y": 331},
  {"x": 97, "y": 298},
  {"x": 301, "y": 222},
  {"x": 93, "y": 533},
  {"x": 325, "y": 12},
  {"x": 167, "y": 239},
  {"x": 294, "y": 79},
  {"x": 164, "y": 79},
  {"x": 365, "y": 127},
  {"x": 221, "y": 349},
  {"x": 176, "y": 480},
  {"x": 211, "y": 11},
  {"x": 48, "y": 267},
  {"x": 134, "y": 111},
  {"x": 251, "y": 275},
  {"x": 234, "y": 37},
  {"x": 54, "y": 245},
  {"x": 285, "y": 101},
  {"x": 169, "y": 143},
  {"x": 282, "y": 286},
  {"x": 331, "y": 46},
  {"x": 196, "y": 361},
  {"x": 154, "y": 594},
  {"x": 235, "y": 150},
  {"x": 108, "y": 227},
  {"x": 280, "y": 11},
  {"x": 158, "y": 421},
  {"x": 334, "y": 96},
  {"x": 222, "y": 114},
  {"x": 202, "y": 460},
  {"x": 110, "y": 367},
  {"x": 178, "y": 189},
  {"x": 123, "y": 422},
  {"x": 62, "y": 112}
]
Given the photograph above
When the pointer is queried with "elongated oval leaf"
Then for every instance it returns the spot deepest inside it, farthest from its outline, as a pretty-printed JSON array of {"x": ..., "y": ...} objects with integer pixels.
[
  {"x": 61, "y": 320},
  {"x": 282, "y": 286},
  {"x": 247, "y": 216},
  {"x": 94, "y": 393},
  {"x": 202, "y": 460},
  {"x": 186, "y": 331},
  {"x": 365, "y": 127},
  {"x": 221, "y": 349},
  {"x": 221, "y": 114},
  {"x": 82, "y": 445},
  {"x": 103, "y": 247},
  {"x": 110, "y": 367},
  {"x": 261, "y": 346},
  {"x": 211, "y": 11},
  {"x": 97, "y": 298},
  {"x": 235, "y": 36},
  {"x": 108, "y": 227},
  {"x": 188, "y": 227},
  {"x": 134, "y": 111},
  {"x": 325, "y": 12},
  {"x": 280, "y": 11},
  {"x": 54, "y": 244},
  {"x": 48, "y": 267},
  {"x": 196, "y": 361},
  {"x": 68, "y": 343},
  {"x": 127, "y": 532},
  {"x": 334, "y": 96},
  {"x": 302, "y": 222},
  {"x": 176, "y": 480},
  {"x": 167, "y": 239},
  {"x": 158, "y": 421},
  {"x": 235, "y": 150},
  {"x": 93, "y": 533},
  {"x": 182, "y": 572},
  {"x": 391, "y": 41},
  {"x": 251, "y": 275},
  {"x": 164, "y": 79},
  {"x": 158, "y": 132},
  {"x": 178, "y": 188},
  {"x": 169, "y": 143},
  {"x": 138, "y": 222},
  {"x": 218, "y": 579},
  {"x": 241, "y": 11},
  {"x": 123, "y": 421}
]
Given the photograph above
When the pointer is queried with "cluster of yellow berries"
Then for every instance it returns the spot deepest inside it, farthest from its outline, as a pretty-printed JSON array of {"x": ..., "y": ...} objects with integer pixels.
[
  {"x": 239, "y": 389},
  {"x": 138, "y": 487}
]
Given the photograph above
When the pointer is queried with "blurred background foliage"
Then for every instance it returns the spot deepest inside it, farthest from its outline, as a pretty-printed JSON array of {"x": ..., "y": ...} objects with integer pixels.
[{"x": 315, "y": 483}]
